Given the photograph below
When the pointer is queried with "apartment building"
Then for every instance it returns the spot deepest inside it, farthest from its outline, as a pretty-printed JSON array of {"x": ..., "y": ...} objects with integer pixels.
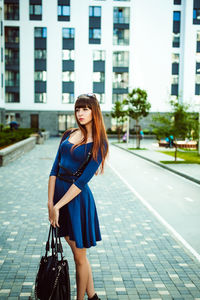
[{"x": 55, "y": 50}]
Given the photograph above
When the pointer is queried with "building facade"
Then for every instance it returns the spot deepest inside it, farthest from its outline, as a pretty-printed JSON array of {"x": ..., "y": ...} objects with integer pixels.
[{"x": 56, "y": 50}]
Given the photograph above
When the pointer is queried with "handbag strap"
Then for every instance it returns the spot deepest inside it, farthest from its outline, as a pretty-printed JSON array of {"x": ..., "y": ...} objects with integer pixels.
[
  {"x": 47, "y": 243},
  {"x": 58, "y": 244},
  {"x": 85, "y": 162},
  {"x": 83, "y": 165}
]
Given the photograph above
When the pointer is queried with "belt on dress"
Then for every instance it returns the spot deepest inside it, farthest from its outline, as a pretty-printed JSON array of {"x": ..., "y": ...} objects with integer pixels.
[{"x": 66, "y": 175}]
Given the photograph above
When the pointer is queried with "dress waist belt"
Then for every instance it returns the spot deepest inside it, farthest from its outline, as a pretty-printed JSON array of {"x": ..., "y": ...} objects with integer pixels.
[{"x": 66, "y": 175}]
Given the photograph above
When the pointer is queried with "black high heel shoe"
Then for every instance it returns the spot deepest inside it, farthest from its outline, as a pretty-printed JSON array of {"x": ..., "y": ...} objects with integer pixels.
[{"x": 95, "y": 297}]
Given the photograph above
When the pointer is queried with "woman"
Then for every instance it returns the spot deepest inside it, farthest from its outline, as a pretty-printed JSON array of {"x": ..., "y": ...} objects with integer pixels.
[{"x": 70, "y": 201}]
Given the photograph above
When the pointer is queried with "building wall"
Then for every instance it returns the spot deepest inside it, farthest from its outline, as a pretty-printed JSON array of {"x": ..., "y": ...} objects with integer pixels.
[{"x": 150, "y": 55}]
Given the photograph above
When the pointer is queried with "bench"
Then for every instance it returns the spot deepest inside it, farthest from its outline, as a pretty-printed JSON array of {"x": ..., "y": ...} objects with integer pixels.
[{"x": 180, "y": 144}]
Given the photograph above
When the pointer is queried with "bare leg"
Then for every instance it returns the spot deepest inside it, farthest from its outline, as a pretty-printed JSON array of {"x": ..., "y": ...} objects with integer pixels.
[
  {"x": 84, "y": 279},
  {"x": 90, "y": 284}
]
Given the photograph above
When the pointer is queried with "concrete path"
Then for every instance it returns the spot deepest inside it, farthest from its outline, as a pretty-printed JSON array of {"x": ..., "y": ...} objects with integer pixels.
[
  {"x": 190, "y": 171},
  {"x": 138, "y": 257}
]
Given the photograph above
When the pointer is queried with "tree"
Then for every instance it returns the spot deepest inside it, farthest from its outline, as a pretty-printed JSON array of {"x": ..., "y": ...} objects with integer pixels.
[
  {"x": 178, "y": 123},
  {"x": 138, "y": 107},
  {"x": 119, "y": 114}
]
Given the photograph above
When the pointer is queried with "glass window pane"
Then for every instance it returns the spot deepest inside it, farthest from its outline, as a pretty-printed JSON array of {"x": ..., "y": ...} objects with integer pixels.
[
  {"x": 31, "y": 9},
  {"x": 66, "y": 10},
  {"x": 97, "y": 11},
  {"x": 96, "y": 33},
  {"x": 37, "y": 9},
  {"x": 175, "y": 58},
  {"x": 59, "y": 10},
  {"x": 91, "y": 11},
  {"x": 176, "y": 16},
  {"x": 38, "y": 32},
  {"x": 72, "y": 32},
  {"x": 44, "y": 32}
]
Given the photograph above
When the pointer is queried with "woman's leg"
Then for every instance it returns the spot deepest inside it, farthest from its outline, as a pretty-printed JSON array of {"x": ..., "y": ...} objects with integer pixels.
[{"x": 84, "y": 280}]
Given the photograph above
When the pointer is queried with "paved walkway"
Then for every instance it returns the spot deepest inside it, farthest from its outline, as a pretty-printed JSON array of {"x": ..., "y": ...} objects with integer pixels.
[
  {"x": 137, "y": 258},
  {"x": 151, "y": 153}
]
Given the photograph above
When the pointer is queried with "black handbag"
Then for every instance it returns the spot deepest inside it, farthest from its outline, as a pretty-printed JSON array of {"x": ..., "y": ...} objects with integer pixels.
[{"x": 52, "y": 280}]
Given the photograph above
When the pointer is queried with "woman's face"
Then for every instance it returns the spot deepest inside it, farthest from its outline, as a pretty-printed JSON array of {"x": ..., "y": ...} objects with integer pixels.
[{"x": 84, "y": 115}]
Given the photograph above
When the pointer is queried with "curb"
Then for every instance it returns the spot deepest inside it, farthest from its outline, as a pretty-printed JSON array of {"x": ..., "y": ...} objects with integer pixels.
[{"x": 161, "y": 165}]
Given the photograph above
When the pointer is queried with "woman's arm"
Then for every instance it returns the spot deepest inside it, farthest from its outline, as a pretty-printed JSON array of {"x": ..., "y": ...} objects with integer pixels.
[
  {"x": 51, "y": 188},
  {"x": 72, "y": 192}
]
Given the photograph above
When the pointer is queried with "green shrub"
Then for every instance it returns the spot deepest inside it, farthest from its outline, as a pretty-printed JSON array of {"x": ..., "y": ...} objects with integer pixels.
[{"x": 8, "y": 136}]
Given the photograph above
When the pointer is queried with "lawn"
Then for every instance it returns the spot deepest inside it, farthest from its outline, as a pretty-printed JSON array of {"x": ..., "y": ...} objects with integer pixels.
[{"x": 190, "y": 157}]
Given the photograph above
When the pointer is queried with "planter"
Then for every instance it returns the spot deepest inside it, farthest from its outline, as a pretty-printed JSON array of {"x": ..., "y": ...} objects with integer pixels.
[
  {"x": 12, "y": 152},
  {"x": 41, "y": 137}
]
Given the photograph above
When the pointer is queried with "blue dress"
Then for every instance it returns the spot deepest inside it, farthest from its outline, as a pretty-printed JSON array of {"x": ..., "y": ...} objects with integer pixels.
[{"x": 78, "y": 219}]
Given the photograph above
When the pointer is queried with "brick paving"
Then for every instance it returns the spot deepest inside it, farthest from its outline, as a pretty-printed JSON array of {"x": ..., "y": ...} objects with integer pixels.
[{"x": 137, "y": 258}]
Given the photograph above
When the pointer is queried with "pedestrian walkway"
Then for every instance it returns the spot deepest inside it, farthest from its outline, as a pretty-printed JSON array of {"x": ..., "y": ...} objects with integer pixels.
[
  {"x": 190, "y": 171},
  {"x": 136, "y": 259}
]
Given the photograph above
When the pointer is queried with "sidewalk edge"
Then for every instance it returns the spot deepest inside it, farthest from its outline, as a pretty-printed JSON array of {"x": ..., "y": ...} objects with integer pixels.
[{"x": 160, "y": 165}]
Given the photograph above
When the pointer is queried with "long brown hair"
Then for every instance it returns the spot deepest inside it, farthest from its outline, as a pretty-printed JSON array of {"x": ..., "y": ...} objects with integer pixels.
[{"x": 100, "y": 140}]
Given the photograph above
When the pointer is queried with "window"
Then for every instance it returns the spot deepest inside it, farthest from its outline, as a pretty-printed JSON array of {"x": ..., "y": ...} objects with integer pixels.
[
  {"x": 95, "y": 11},
  {"x": 12, "y": 97},
  {"x": 121, "y": 36},
  {"x": 175, "y": 58},
  {"x": 35, "y": 9},
  {"x": 63, "y": 10},
  {"x": 41, "y": 75},
  {"x": 12, "y": 78},
  {"x": 67, "y": 98},
  {"x": 175, "y": 79},
  {"x": 67, "y": 76},
  {"x": 99, "y": 55},
  {"x": 196, "y": 16},
  {"x": 120, "y": 59},
  {"x": 120, "y": 80},
  {"x": 11, "y": 34},
  {"x": 98, "y": 77},
  {"x": 11, "y": 11},
  {"x": 121, "y": 15},
  {"x": 176, "y": 15},
  {"x": 94, "y": 33},
  {"x": 68, "y": 54},
  {"x": 11, "y": 56},
  {"x": 40, "y": 97},
  {"x": 176, "y": 40},
  {"x": 40, "y": 54},
  {"x": 41, "y": 32},
  {"x": 66, "y": 121},
  {"x": 68, "y": 33},
  {"x": 35, "y": 12}
]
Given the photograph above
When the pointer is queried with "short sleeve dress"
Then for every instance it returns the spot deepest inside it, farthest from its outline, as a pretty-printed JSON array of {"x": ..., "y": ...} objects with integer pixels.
[{"x": 78, "y": 219}]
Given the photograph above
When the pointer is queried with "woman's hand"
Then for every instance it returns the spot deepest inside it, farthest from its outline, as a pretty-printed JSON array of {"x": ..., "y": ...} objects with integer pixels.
[{"x": 53, "y": 214}]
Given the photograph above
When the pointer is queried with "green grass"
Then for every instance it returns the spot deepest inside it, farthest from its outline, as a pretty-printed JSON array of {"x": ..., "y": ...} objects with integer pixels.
[
  {"x": 137, "y": 148},
  {"x": 190, "y": 157}
]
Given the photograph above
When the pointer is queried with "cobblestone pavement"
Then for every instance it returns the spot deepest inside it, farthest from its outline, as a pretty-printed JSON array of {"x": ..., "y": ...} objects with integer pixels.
[{"x": 137, "y": 258}]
